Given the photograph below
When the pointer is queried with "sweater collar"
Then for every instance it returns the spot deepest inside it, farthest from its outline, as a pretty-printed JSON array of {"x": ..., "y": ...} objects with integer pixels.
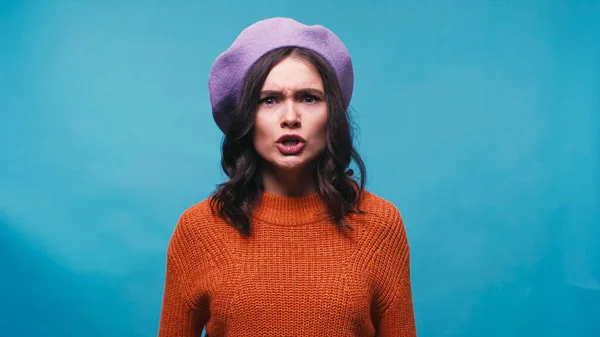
[{"x": 290, "y": 211}]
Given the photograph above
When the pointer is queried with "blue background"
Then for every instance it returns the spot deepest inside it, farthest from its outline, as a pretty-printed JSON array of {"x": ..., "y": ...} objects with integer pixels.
[{"x": 478, "y": 119}]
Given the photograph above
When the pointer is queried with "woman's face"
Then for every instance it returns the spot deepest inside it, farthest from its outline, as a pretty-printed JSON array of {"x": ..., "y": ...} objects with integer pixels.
[{"x": 292, "y": 104}]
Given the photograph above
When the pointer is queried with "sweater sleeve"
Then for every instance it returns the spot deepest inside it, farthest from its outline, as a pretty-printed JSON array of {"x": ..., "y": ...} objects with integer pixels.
[
  {"x": 395, "y": 314},
  {"x": 184, "y": 311},
  {"x": 178, "y": 317}
]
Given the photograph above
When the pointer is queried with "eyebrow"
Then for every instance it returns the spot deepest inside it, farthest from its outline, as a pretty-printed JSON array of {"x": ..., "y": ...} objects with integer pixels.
[{"x": 300, "y": 92}]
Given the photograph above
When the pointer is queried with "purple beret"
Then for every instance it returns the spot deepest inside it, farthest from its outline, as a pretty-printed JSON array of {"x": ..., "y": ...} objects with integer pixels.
[{"x": 230, "y": 68}]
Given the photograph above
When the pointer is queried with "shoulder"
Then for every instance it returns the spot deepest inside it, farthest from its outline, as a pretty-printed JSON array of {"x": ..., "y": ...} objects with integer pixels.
[
  {"x": 381, "y": 218},
  {"x": 378, "y": 208},
  {"x": 195, "y": 231},
  {"x": 198, "y": 214},
  {"x": 385, "y": 229},
  {"x": 194, "y": 218}
]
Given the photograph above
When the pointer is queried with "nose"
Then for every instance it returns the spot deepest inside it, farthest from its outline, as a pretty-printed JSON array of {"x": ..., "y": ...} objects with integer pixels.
[{"x": 290, "y": 117}]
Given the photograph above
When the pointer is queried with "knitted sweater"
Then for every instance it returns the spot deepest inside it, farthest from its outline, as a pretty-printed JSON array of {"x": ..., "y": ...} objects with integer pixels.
[{"x": 297, "y": 275}]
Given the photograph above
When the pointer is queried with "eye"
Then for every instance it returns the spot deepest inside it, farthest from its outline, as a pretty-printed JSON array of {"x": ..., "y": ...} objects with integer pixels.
[
  {"x": 310, "y": 99},
  {"x": 268, "y": 101}
]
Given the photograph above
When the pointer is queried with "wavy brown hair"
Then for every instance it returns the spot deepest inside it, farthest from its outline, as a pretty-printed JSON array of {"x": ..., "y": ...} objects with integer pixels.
[{"x": 234, "y": 199}]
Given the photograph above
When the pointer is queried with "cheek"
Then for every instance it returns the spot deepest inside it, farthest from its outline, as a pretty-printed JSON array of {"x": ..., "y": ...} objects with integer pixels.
[
  {"x": 261, "y": 133},
  {"x": 321, "y": 131}
]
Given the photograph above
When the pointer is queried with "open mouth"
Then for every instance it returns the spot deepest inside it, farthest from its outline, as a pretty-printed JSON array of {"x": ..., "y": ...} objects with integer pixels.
[{"x": 290, "y": 144}]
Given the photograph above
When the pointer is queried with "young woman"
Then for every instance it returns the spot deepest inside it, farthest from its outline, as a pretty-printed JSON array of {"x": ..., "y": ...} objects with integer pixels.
[{"x": 290, "y": 244}]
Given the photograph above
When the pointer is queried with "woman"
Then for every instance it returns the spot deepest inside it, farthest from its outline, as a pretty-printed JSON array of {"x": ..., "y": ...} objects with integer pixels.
[{"x": 290, "y": 244}]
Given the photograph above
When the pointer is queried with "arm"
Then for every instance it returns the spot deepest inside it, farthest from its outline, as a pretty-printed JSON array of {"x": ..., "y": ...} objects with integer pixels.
[
  {"x": 184, "y": 309},
  {"x": 397, "y": 319},
  {"x": 395, "y": 314},
  {"x": 178, "y": 317}
]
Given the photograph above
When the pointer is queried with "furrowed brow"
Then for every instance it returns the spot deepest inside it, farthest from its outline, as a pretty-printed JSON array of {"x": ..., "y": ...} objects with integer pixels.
[
  {"x": 298, "y": 93},
  {"x": 310, "y": 91},
  {"x": 268, "y": 93}
]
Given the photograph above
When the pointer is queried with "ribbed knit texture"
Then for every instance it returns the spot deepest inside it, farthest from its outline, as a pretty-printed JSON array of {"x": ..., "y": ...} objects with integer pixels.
[{"x": 297, "y": 275}]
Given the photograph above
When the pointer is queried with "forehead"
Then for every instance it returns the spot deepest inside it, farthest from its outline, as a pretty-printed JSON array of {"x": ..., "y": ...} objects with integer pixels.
[{"x": 293, "y": 73}]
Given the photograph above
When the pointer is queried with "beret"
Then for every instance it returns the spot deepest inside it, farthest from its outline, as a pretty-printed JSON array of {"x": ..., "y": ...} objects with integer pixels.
[{"x": 229, "y": 70}]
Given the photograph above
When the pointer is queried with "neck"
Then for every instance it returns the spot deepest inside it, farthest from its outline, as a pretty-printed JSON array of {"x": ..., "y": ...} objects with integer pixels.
[{"x": 294, "y": 183}]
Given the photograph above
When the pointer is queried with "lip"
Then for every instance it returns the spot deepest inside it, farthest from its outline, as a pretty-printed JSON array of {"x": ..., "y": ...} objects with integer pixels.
[
  {"x": 290, "y": 149},
  {"x": 291, "y": 136}
]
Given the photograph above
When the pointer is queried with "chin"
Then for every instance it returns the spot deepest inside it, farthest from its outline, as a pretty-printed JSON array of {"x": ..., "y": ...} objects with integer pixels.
[{"x": 289, "y": 164}]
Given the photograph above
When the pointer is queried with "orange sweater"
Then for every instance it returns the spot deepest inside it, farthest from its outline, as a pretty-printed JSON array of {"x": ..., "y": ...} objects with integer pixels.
[{"x": 297, "y": 275}]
